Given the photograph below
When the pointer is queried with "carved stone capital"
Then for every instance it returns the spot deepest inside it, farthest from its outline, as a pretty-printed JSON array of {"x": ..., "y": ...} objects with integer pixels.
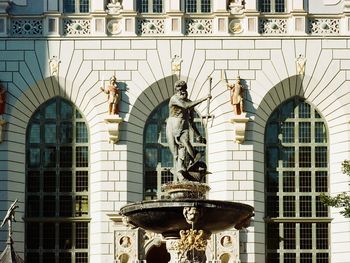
[
  {"x": 112, "y": 122},
  {"x": 240, "y": 123}
]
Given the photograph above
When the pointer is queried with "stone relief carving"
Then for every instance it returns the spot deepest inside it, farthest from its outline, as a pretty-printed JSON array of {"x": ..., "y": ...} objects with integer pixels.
[
  {"x": 114, "y": 27},
  {"x": 77, "y": 26},
  {"x": 176, "y": 65},
  {"x": 324, "y": 26},
  {"x": 273, "y": 26},
  {"x": 199, "y": 26},
  {"x": 236, "y": 6},
  {"x": 114, "y": 6},
  {"x": 150, "y": 26},
  {"x": 301, "y": 61},
  {"x": 235, "y": 26},
  {"x": 27, "y": 27},
  {"x": 54, "y": 63}
]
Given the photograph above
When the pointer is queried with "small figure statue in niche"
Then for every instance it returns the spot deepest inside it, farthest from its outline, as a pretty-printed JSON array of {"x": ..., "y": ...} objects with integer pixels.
[
  {"x": 181, "y": 110},
  {"x": 237, "y": 96},
  {"x": 54, "y": 65},
  {"x": 301, "y": 61},
  {"x": 113, "y": 96},
  {"x": 176, "y": 65}
]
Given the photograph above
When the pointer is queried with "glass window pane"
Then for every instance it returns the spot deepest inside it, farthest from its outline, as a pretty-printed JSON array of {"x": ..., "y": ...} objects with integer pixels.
[
  {"x": 157, "y": 6},
  {"x": 66, "y": 132},
  {"x": 33, "y": 181},
  {"x": 321, "y": 208},
  {"x": 81, "y": 257},
  {"x": 49, "y": 235},
  {"x": 272, "y": 181},
  {"x": 81, "y": 235},
  {"x": 66, "y": 157},
  {"x": 166, "y": 158},
  {"x": 289, "y": 235},
  {"x": 320, "y": 132},
  {"x": 152, "y": 133},
  {"x": 289, "y": 258},
  {"x": 50, "y": 110},
  {"x": 50, "y": 157},
  {"x": 50, "y": 133},
  {"x": 322, "y": 257},
  {"x": 65, "y": 258},
  {"x": 34, "y": 157},
  {"x": 82, "y": 154},
  {"x": 66, "y": 110},
  {"x": 205, "y": 6},
  {"x": 151, "y": 158},
  {"x": 32, "y": 257},
  {"x": 272, "y": 133},
  {"x": 65, "y": 206},
  {"x": 49, "y": 257},
  {"x": 81, "y": 132},
  {"x": 305, "y": 132},
  {"x": 32, "y": 235},
  {"x": 322, "y": 235},
  {"x": 272, "y": 157},
  {"x": 49, "y": 207},
  {"x": 273, "y": 236},
  {"x": 265, "y": 6},
  {"x": 321, "y": 181},
  {"x": 84, "y": 6},
  {"x": 288, "y": 181},
  {"x": 288, "y": 132},
  {"x": 272, "y": 206},
  {"x": 49, "y": 181},
  {"x": 166, "y": 177},
  {"x": 151, "y": 183},
  {"x": 288, "y": 157},
  {"x": 289, "y": 206},
  {"x": 279, "y": 6},
  {"x": 33, "y": 206},
  {"x": 65, "y": 181},
  {"x": 304, "y": 156},
  {"x": 191, "y": 6},
  {"x": 306, "y": 235},
  {"x": 143, "y": 6},
  {"x": 81, "y": 205},
  {"x": 287, "y": 111},
  {"x": 305, "y": 206},
  {"x": 304, "y": 181},
  {"x": 321, "y": 157},
  {"x": 69, "y": 6},
  {"x": 34, "y": 133},
  {"x": 82, "y": 181},
  {"x": 304, "y": 110}
]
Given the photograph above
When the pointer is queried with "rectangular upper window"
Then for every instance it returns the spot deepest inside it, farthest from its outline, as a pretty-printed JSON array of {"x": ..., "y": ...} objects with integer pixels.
[
  {"x": 76, "y": 6},
  {"x": 150, "y": 6},
  {"x": 197, "y": 6},
  {"x": 272, "y": 6}
]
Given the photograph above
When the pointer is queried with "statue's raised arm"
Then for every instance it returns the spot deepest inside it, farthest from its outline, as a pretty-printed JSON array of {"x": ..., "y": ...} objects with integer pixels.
[{"x": 178, "y": 124}]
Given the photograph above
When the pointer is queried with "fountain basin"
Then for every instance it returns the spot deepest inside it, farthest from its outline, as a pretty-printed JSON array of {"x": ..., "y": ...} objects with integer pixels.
[{"x": 166, "y": 216}]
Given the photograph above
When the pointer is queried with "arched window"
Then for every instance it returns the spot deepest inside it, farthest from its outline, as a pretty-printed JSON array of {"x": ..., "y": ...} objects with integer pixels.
[
  {"x": 158, "y": 159},
  {"x": 76, "y": 6},
  {"x": 57, "y": 185},
  {"x": 296, "y": 172}
]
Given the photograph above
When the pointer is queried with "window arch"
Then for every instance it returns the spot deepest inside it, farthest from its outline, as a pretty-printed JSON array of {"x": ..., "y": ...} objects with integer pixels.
[
  {"x": 158, "y": 159},
  {"x": 296, "y": 173},
  {"x": 57, "y": 185}
]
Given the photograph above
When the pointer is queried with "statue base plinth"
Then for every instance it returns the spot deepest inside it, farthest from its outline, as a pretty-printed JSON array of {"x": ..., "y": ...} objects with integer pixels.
[
  {"x": 113, "y": 127},
  {"x": 114, "y": 8},
  {"x": 240, "y": 123}
]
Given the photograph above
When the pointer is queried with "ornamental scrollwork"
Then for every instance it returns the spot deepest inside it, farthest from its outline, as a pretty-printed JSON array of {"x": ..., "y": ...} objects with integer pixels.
[
  {"x": 199, "y": 26},
  {"x": 273, "y": 26},
  {"x": 324, "y": 26},
  {"x": 191, "y": 239},
  {"x": 32, "y": 27},
  {"x": 150, "y": 26},
  {"x": 77, "y": 27}
]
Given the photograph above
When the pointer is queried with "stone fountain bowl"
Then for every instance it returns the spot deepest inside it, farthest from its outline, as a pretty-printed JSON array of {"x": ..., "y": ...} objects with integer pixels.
[{"x": 166, "y": 216}]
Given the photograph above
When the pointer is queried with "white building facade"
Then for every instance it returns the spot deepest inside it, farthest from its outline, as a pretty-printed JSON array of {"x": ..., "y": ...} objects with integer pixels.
[{"x": 72, "y": 170}]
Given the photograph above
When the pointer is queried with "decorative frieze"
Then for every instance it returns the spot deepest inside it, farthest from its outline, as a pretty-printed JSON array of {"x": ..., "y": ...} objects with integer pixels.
[
  {"x": 150, "y": 26},
  {"x": 27, "y": 27},
  {"x": 324, "y": 26},
  {"x": 199, "y": 26},
  {"x": 76, "y": 27},
  {"x": 273, "y": 26}
]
